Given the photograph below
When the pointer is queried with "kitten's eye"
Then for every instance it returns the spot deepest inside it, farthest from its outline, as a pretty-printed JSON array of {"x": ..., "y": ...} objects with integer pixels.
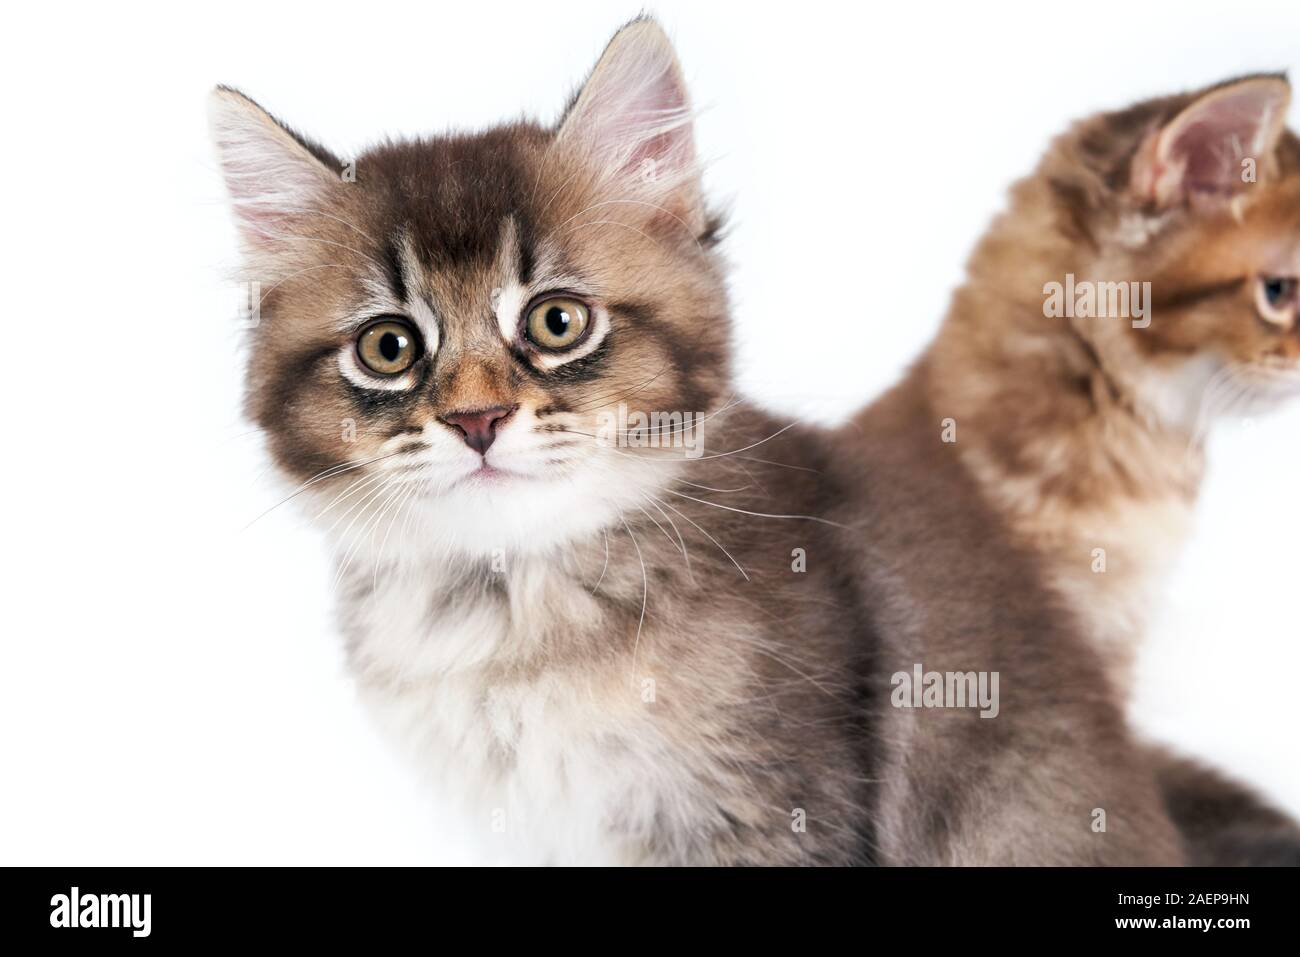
[
  {"x": 557, "y": 323},
  {"x": 1275, "y": 298},
  {"x": 388, "y": 347}
]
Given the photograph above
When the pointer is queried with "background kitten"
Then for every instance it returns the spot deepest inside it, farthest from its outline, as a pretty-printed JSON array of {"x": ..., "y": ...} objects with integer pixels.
[{"x": 1086, "y": 430}]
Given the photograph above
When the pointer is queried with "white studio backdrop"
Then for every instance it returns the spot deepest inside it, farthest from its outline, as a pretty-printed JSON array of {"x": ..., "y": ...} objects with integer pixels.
[{"x": 171, "y": 687}]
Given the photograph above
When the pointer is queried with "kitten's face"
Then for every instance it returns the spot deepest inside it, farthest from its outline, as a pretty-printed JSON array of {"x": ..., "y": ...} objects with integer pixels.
[
  {"x": 1206, "y": 207},
  {"x": 465, "y": 315}
]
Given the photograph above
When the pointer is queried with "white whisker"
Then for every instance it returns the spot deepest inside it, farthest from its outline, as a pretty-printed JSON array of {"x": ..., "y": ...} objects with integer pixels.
[{"x": 743, "y": 511}]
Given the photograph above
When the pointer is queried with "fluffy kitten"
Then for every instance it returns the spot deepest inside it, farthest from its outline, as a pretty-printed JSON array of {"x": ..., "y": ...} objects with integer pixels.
[
  {"x": 618, "y": 640},
  {"x": 536, "y": 594},
  {"x": 1083, "y": 430}
]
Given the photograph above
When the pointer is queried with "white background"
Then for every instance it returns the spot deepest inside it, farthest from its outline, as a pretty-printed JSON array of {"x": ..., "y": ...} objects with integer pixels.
[{"x": 171, "y": 690}]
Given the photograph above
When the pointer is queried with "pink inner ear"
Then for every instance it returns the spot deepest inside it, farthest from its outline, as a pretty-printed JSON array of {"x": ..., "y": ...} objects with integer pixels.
[
  {"x": 633, "y": 115},
  {"x": 267, "y": 190},
  {"x": 660, "y": 111},
  {"x": 640, "y": 121},
  {"x": 1201, "y": 152},
  {"x": 272, "y": 179},
  {"x": 632, "y": 126}
]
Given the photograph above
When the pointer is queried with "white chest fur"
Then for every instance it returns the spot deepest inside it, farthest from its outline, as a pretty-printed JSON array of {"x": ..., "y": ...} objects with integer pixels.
[
  {"x": 548, "y": 758},
  {"x": 1106, "y": 547},
  {"x": 1111, "y": 565}
]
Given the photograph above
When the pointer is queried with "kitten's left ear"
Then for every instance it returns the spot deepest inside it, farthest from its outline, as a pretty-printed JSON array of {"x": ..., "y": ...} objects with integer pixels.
[
  {"x": 632, "y": 120},
  {"x": 1215, "y": 147}
]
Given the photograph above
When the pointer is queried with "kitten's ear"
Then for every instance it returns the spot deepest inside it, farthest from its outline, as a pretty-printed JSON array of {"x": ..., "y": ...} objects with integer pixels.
[
  {"x": 632, "y": 118},
  {"x": 1216, "y": 146},
  {"x": 274, "y": 176}
]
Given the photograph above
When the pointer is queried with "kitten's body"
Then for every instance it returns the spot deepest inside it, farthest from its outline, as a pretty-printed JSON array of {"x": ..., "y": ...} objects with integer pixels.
[
  {"x": 1072, "y": 464},
  {"x": 1102, "y": 493},
  {"x": 1055, "y": 778},
  {"x": 632, "y": 696}
]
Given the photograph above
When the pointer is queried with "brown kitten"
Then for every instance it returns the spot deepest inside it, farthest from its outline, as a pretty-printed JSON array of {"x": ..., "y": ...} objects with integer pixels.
[
  {"x": 617, "y": 638},
  {"x": 1083, "y": 428},
  {"x": 455, "y": 349}
]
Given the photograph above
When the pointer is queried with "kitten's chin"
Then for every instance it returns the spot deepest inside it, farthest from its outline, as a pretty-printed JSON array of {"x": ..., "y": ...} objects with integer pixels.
[
  {"x": 491, "y": 477},
  {"x": 495, "y": 510}
]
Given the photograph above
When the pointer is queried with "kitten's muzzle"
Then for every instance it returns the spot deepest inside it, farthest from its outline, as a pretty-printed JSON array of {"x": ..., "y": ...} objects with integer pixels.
[{"x": 478, "y": 427}]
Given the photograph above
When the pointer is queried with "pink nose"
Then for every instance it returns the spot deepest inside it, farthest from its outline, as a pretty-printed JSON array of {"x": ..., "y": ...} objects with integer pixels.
[{"x": 478, "y": 427}]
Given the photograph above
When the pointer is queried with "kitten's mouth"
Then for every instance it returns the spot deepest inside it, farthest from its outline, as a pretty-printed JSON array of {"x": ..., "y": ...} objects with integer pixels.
[{"x": 487, "y": 474}]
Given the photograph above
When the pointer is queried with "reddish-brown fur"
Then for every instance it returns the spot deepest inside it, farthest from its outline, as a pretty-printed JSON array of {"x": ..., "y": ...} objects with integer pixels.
[{"x": 1071, "y": 431}]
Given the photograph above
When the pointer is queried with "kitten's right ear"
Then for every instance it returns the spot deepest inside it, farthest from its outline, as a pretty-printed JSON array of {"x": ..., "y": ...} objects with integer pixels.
[
  {"x": 274, "y": 176},
  {"x": 1215, "y": 146}
]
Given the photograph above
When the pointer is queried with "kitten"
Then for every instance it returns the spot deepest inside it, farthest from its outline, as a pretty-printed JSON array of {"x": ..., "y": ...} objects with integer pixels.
[
  {"x": 597, "y": 597},
  {"x": 457, "y": 341},
  {"x": 1079, "y": 408}
]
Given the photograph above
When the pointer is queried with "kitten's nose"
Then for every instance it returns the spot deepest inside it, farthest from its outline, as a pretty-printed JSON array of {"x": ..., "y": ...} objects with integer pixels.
[{"x": 478, "y": 427}]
